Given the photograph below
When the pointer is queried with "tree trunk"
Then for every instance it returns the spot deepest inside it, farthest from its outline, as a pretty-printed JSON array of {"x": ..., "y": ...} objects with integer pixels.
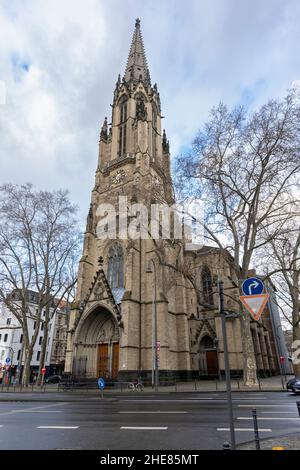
[
  {"x": 250, "y": 374},
  {"x": 296, "y": 350},
  {"x": 27, "y": 362}
]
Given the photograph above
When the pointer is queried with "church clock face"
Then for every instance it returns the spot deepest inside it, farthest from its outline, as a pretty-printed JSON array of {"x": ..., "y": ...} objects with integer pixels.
[{"x": 118, "y": 177}]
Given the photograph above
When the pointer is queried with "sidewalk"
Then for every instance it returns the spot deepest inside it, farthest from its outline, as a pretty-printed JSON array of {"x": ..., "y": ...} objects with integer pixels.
[
  {"x": 291, "y": 442},
  {"x": 270, "y": 384}
]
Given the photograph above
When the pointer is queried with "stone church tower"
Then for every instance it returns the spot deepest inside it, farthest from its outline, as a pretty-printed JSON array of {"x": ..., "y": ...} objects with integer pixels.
[{"x": 112, "y": 322}]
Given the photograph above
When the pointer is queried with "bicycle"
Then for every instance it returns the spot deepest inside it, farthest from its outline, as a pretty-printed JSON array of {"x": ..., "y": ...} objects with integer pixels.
[{"x": 138, "y": 386}]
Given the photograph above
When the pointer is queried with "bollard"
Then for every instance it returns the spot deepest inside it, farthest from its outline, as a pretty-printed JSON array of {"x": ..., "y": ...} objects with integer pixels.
[
  {"x": 216, "y": 384},
  {"x": 226, "y": 446},
  {"x": 255, "y": 426},
  {"x": 195, "y": 385},
  {"x": 298, "y": 407},
  {"x": 238, "y": 384}
]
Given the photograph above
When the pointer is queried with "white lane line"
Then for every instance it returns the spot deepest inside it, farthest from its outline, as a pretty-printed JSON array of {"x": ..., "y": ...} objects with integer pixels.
[
  {"x": 273, "y": 419},
  {"x": 278, "y": 412},
  {"x": 160, "y": 401},
  {"x": 36, "y": 411},
  {"x": 145, "y": 428},
  {"x": 28, "y": 410},
  {"x": 202, "y": 398},
  {"x": 249, "y": 399},
  {"x": 188, "y": 400},
  {"x": 245, "y": 429},
  {"x": 267, "y": 406},
  {"x": 57, "y": 427},
  {"x": 152, "y": 412}
]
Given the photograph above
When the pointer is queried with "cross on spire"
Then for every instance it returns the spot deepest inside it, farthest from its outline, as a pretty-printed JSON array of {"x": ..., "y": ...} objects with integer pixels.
[{"x": 137, "y": 67}]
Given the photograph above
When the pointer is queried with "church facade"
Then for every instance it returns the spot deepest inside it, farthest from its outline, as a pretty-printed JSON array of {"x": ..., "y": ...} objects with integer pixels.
[{"x": 138, "y": 296}]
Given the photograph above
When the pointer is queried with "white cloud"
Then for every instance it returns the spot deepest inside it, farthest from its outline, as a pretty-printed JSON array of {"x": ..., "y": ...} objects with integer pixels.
[{"x": 60, "y": 60}]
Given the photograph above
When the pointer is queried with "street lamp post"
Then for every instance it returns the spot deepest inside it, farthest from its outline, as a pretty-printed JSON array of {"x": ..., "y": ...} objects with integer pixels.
[
  {"x": 226, "y": 364},
  {"x": 11, "y": 352},
  {"x": 155, "y": 370}
]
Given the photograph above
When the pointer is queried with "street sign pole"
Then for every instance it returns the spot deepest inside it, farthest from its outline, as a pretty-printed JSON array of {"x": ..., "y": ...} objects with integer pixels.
[
  {"x": 226, "y": 363},
  {"x": 101, "y": 385}
]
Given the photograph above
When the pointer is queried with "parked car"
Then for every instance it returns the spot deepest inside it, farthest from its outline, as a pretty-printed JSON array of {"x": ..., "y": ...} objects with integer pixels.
[
  {"x": 53, "y": 379},
  {"x": 293, "y": 385}
]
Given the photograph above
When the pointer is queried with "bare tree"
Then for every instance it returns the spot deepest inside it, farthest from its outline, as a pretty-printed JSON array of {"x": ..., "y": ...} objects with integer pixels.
[
  {"x": 244, "y": 168},
  {"x": 39, "y": 240},
  {"x": 283, "y": 255}
]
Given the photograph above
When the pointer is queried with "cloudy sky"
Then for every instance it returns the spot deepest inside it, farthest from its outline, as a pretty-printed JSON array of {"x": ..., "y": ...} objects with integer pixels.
[{"x": 59, "y": 61}]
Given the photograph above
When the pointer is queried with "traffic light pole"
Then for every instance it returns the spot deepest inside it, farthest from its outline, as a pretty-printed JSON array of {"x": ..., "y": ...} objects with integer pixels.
[{"x": 226, "y": 364}]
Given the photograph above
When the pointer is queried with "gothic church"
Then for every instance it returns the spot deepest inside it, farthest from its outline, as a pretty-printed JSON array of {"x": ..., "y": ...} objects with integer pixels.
[{"x": 112, "y": 322}]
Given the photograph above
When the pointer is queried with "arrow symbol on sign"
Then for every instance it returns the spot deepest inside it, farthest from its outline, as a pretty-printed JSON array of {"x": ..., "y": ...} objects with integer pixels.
[{"x": 254, "y": 284}]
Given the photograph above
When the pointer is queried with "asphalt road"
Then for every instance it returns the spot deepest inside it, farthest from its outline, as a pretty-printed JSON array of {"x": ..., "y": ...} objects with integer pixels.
[{"x": 176, "y": 421}]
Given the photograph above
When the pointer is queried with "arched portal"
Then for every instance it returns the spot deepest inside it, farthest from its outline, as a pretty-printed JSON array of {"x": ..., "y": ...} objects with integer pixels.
[
  {"x": 208, "y": 357},
  {"x": 97, "y": 346}
]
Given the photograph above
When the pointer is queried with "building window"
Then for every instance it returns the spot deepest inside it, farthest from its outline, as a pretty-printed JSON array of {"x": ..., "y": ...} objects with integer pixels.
[
  {"x": 40, "y": 340},
  {"x": 5, "y": 338},
  {"x": 154, "y": 129},
  {"x": 38, "y": 355},
  {"x": 19, "y": 354},
  {"x": 115, "y": 266},
  {"x": 34, "y": 325},
  {"x": 21, "y": 338},
  {"x": 122, "y": 127},
  {"x": 0, "y": 336},
  {"x": 8, "y": 321},
  {"x": 42, "y": 326},
  {"x": 207, "y": 293}
]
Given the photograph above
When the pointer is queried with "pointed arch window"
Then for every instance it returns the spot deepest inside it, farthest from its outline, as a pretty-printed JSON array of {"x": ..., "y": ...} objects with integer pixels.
[
  {"x": 122, "y": 127},
  {"x": 207, "y": 291},
  {"x": 154, "y": 129},
  {"x": 115, "y": 269}
]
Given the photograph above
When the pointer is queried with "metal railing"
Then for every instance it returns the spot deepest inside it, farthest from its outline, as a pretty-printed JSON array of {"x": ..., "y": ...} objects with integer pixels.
[{"x": 171, "y": 384}]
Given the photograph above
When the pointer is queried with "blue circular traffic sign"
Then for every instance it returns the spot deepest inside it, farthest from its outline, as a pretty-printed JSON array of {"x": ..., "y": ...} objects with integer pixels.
[
  {"x": 101, "y": 383},
  {"x": 253, "y": 286},
  {"x": 7, "y": 360}
]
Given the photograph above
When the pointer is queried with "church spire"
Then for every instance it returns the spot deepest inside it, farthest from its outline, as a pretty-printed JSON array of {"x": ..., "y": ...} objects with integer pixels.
[{"x": 137, "y": 67}]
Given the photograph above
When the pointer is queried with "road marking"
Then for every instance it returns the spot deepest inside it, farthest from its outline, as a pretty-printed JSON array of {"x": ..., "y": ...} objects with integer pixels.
[
  {"x": 28, "y": 410},
  {"x": 267, "y": 406},
  {"x": 160, "y": 401},
  {"x": 278, "y": 419},
  {"x": 249, "y": 399},
  {"x": 1, "y": 425},
  {"x": 278, "y": 412},
  {"x": 188, "y": 400},
  {"x": 35, "y": 411},
  {"x": 203, "y": 398},
  {"x": 152, "y": 412},
  {"x": 57, "y": 427},
  {"x": 146, "y": 428},
  {"x": 244, "y": 429}
]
